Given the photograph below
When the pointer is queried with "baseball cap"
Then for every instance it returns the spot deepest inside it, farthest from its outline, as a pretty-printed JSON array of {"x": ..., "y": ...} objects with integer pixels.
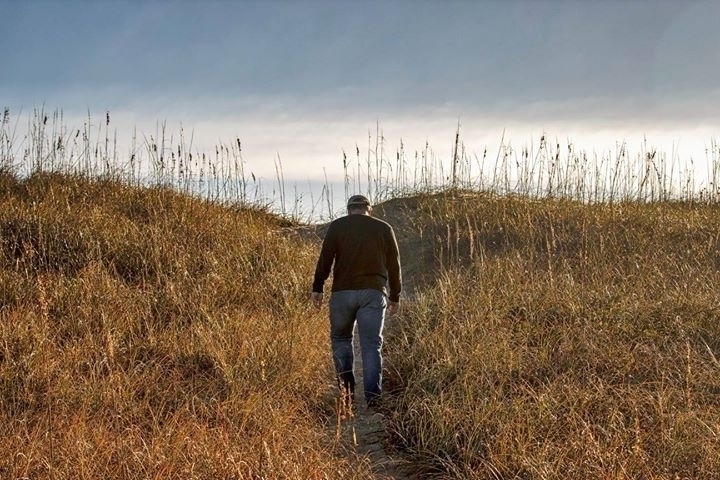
[{"x": 358, "y": 200}]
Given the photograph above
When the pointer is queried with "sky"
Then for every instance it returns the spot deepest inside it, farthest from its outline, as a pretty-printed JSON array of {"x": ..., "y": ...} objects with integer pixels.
[{"x": 307, "y": 80}]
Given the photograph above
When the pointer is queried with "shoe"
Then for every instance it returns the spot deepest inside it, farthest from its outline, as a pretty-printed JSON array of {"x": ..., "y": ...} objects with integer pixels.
[{"x": 373, "y": 405}]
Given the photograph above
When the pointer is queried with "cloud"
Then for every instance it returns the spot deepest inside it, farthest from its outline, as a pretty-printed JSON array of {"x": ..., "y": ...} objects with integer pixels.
[
  {"x": 307, "y": 80},
  {"x": 397, "y": 53}
]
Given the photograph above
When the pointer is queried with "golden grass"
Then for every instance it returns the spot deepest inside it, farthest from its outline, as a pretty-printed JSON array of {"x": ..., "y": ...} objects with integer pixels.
[
  {"x": 146, "y": 334},
  {"x": 560, "y": 340}
]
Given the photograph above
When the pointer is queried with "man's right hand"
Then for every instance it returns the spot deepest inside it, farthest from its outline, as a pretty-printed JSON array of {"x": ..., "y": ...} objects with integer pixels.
[
  {"x": 317, "y": 298},
  {"x": 392, "y": 308}
]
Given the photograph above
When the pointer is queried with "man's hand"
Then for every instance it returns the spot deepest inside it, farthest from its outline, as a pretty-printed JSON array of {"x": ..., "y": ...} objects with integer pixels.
[
  {"x": 317, "y": 298},
  {"x": 392, "y": 308}
]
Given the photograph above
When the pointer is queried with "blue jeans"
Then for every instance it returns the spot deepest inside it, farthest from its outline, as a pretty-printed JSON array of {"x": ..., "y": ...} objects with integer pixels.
[{"x": 368, "y": 308}]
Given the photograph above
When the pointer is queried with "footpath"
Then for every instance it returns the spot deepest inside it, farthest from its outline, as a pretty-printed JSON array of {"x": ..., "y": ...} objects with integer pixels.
[{"x": 364, "y": 434}]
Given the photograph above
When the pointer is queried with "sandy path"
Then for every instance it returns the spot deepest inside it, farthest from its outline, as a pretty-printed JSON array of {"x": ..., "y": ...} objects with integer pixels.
[{"x": 365, "y": 434}]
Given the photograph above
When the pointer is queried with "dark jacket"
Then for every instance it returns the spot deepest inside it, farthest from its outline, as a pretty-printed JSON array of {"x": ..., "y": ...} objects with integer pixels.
[{"x": 365, "y": 253}]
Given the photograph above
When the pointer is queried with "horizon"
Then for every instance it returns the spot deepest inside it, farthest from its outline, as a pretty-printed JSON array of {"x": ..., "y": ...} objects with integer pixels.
[{"x": 305, "y": 82}]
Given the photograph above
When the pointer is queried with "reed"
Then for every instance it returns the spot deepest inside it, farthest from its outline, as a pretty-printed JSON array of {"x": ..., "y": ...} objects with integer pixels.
[
  {"x": 546, "y": 169},
  {"x": 560, "y": 321},
  {"x": 556, "y": 339},
  {"x": 148, "y": 334}
]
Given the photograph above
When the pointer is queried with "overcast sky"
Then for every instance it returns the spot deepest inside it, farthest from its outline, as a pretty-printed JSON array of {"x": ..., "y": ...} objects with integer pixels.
[{"x": 307, "y": 79}]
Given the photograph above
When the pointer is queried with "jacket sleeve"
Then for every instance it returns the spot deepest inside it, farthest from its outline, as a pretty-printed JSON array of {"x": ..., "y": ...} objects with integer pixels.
[
  {"x": 392, "y": 257},
  {"x": 325, "y": 261}
]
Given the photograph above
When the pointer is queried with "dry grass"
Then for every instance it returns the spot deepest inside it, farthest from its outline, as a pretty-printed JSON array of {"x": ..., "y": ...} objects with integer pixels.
[
  {"x": 560, "y": 340},
  {"x": 146, "y": 334},
  {"x": 149, "y": 334}
]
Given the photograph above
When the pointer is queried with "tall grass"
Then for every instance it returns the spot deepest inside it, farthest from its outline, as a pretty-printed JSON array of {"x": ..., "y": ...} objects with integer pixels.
[
  {"x": 538, "y": 169},
  {"x": 555, "y": 339},
  {"x": 562, "y": 319},
  {"x": 147, "y": 334}
]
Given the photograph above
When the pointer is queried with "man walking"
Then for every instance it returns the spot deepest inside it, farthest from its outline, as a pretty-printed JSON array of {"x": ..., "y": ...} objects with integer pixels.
[{"x": 366, "y": 281}]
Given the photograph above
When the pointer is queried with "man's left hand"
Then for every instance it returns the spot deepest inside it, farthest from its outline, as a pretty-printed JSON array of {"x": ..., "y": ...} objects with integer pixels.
[{"x": 392, "y": 308}]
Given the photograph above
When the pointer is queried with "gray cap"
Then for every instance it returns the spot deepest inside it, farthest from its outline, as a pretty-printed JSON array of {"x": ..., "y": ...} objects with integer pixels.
[{"x": 358, "y": 200}]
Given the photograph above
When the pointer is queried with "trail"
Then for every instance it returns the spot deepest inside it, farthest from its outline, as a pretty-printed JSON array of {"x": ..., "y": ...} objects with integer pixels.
[{"x": 365, "y": 433}]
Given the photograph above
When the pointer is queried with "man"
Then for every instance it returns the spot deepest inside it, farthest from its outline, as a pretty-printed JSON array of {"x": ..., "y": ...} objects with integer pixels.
[{"x": 366, "y": 281}]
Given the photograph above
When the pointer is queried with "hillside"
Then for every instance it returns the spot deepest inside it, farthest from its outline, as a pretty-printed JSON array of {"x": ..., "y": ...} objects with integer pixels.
[
  {"x": 147, "y": 334},
  {"x": 554, "y": 339}
]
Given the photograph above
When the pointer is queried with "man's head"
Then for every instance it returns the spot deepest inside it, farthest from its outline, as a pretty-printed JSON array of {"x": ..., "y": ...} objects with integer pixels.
[{"x": 359, "y": 204}]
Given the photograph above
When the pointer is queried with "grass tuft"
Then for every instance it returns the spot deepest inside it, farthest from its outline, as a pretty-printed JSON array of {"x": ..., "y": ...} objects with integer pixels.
[{"x": 148, "y": 334}]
